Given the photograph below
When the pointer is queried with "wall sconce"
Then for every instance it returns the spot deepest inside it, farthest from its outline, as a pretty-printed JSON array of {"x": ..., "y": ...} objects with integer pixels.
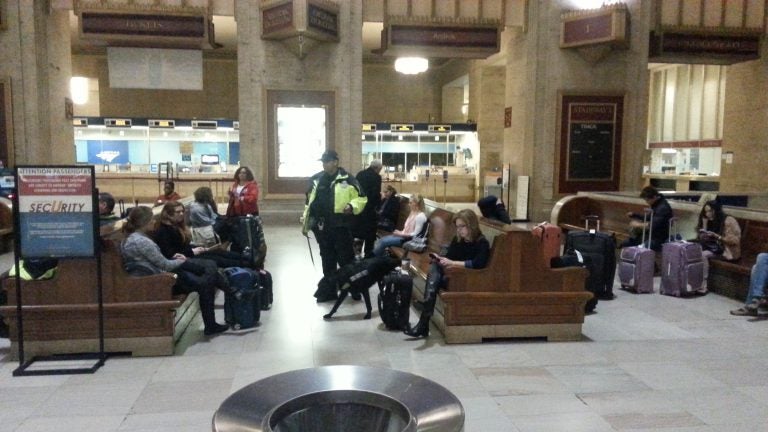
[{"x": 78, "y": 90}]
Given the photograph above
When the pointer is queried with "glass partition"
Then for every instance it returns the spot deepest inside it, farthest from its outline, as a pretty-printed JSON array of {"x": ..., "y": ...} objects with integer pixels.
[
  {"x": 403, "y": 152},
  {"x": 139, "y": 148}
]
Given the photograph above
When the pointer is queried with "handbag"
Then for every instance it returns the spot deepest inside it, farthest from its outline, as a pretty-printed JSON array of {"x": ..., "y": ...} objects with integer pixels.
[
  {"x": 417, "y": 244},
  {"x": 205, "y": 236}
]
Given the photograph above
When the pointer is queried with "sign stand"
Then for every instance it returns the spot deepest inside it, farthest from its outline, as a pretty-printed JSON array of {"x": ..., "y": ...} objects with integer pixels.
[{"x": 50, "y": 198}]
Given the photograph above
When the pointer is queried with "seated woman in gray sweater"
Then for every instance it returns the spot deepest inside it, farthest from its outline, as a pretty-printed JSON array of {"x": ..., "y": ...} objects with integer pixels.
[{"x": 142, "y": 256}]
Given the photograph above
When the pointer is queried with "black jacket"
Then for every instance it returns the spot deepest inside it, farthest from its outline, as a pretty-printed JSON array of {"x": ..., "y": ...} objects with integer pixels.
[{"x": 370, "y": 186}]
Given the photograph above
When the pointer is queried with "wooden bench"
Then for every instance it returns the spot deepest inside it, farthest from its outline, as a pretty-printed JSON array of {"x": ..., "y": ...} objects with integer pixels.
[
  {"x": 730, "y": 279},
  {"x": 6, "y": 225},
  {"x": 570, "y": 213},
  {"x": 141, "y": 315},
  {"x": 513, "y": 296}
]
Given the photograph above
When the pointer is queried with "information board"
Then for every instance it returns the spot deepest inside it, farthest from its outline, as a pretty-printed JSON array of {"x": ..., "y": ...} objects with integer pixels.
[
  {"x": 590, "y": 143},
  {"x": 56, "y": 211}
]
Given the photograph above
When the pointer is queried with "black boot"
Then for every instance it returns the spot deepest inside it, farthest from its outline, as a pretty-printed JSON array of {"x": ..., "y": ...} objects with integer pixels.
[{"x": 421, "y": 329}]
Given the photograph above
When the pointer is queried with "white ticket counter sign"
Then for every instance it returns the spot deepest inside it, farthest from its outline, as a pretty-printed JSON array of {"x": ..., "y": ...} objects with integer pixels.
[{"x": 55, "y": 207}]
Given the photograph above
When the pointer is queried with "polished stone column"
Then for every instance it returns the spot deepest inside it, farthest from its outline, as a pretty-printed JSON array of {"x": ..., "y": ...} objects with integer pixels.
[
  {"x": 265, "y": 65},
  {"x": 37, "y": 40},
  {"x": 538, "y": 71}
]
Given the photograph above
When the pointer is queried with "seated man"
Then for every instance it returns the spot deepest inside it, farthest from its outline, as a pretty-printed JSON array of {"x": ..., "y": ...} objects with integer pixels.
[
  {"x": 492, "y": 207},
  {"x": 659, "y": 223},
  {"x": 169, "y": 194},
  {"x": 756, "y": 303},
  {"x": 106, "y": 208}
]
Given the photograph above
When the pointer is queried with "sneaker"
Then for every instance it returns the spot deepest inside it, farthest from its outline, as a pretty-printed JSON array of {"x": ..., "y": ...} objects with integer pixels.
[
  {"x": 745, "y": 311},
  {"x": 762, "y": 307}
]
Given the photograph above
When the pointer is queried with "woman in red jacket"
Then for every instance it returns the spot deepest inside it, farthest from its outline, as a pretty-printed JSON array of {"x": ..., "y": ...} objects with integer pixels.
[{"x": 244, "y": 194}]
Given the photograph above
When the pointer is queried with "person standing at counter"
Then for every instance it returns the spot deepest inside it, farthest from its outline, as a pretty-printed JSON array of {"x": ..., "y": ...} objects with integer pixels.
[
  {"x": 169, "y": 194},
  {"x": 244, "y": 194}
]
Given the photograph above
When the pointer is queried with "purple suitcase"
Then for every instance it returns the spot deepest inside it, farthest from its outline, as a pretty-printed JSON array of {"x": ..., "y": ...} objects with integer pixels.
[
  {"x": 636, "y": 264},
  {"x": 682, "y": 266}
]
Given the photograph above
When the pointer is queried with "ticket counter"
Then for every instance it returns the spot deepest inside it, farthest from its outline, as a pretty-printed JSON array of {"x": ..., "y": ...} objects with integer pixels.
[
  {"x": 146, "y": 187},
  {"x": 683, "y": 183}
]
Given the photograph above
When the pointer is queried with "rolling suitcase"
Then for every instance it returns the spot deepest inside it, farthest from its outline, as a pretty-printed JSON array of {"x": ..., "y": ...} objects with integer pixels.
[
  {"x": 682, "y": 265},
  {"x": 242, "y": 304},
  {"x": 591, "y": 284},
  {"x": 264, "y": 279},
  {"x": 550, "y": 237},
  {"x": 600, "y": 247},
  {"x": 395, "y": 300},
  {"x": 636, "y": 262}
]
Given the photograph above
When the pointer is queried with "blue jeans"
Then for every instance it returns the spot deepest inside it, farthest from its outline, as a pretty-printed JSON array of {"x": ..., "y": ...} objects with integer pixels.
[
  {"x": 758, "y": 278},
  {"x": 385, "y": 242}
]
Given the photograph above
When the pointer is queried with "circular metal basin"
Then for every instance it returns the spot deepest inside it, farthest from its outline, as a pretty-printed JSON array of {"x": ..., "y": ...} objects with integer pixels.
[{"x": 341, "y": 399}]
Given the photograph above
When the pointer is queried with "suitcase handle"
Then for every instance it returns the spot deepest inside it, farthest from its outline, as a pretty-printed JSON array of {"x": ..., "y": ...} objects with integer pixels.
[
  {"x": 589, "y": 218},
  {"x": 673, "y": 229},
  {"x": 647, "y": 220}
]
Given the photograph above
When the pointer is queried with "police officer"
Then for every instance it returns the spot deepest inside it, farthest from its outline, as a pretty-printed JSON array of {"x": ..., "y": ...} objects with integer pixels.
[{"x": 333, "y": 198}]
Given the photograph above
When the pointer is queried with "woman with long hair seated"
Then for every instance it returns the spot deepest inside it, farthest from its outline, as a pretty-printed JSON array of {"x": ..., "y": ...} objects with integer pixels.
[
  {"x": 142, "y": 256},
  {"x": 468, "y": 249},
  {"x": 412, "y": 227},
  {"x": 203, "y": 211},
  {"x": 719, "y": 235},
  {"x": 173, "y": 237}
]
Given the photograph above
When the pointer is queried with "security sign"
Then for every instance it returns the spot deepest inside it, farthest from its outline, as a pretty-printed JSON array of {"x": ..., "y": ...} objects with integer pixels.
[{"x": 56, "y": 211}]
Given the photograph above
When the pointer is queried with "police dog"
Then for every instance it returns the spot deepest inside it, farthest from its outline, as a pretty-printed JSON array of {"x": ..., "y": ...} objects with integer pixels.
[{"x": 358, "y": 278}]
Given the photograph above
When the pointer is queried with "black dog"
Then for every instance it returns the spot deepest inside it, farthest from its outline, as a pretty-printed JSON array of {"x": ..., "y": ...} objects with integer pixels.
[
  {"x": 343, "y": 292},
  {"x": 357, "y": 278}
]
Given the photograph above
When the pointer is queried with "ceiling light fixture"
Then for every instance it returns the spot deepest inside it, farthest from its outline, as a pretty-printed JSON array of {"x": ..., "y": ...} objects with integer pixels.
[{"x": 411, "y": 65}]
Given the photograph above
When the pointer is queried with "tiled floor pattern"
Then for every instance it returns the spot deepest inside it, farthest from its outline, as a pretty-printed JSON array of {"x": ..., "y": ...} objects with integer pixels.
[{"x": 646, "y": 363}]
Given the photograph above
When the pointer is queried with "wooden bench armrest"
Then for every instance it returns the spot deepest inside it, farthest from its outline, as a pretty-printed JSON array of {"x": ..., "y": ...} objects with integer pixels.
[{"x": 735, "y": 267}]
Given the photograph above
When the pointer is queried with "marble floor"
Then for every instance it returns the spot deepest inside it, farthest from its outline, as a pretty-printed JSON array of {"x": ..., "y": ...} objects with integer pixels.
[{"x": 646, "y": 363}]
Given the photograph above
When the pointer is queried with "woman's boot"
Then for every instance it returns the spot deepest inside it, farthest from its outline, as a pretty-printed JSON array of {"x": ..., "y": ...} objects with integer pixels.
[{"x": 421, "y": 329}]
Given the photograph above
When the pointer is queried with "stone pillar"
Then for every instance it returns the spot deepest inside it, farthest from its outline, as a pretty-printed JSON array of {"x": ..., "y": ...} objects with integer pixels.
[
  {"x": 745, "y": 130},
  {"x": 38, "y": 38},
  {"x": 538, "y": 71},
  {"x": 265, "y": 65},
  {"x": 489, "y": 112}
]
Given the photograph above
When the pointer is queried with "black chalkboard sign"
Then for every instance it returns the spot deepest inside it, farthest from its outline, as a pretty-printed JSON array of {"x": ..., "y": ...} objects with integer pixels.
[
  {"x": 590, "y": 151},
  {"x": 590, "y": 143}
]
